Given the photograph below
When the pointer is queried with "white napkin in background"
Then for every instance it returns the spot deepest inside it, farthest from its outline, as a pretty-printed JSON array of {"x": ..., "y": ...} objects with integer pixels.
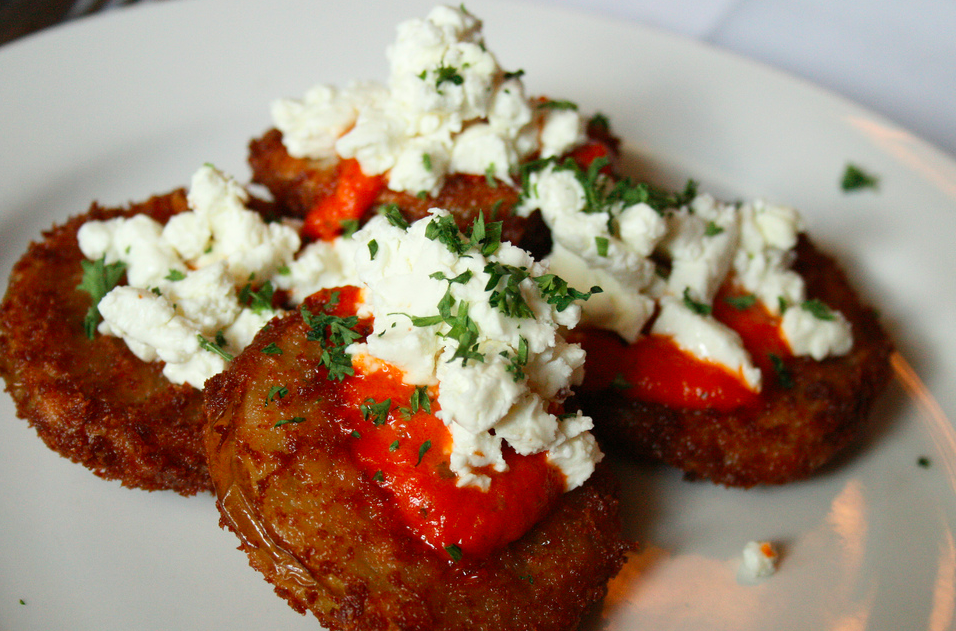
[{"x": 895, "y": 57}]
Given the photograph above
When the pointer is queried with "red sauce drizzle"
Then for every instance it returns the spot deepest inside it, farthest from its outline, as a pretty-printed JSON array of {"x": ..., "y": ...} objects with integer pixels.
[
  {"x": 656, "y": 370},
  {"x": 354, "y": 194},
  {"x": 407, "y": 455}
]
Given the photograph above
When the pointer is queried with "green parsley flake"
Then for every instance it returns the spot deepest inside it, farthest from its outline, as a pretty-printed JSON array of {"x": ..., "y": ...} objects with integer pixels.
[
  {"x": 377, "y": 412},
  {"x": 372, "y": 249},
  {"x": 555, "y": 291},
  {"x": 349, "y": 227},
  {"x": 272, "y": 349},
  {"x": 558, "y": 105},
  {"x": 393, "y": 446},
  {"x": 699, "y": 308},
  {"x": 421, "y": 451},
  {"x": 174, "y": 275},
  {"x": 295, "y": 420},
  {"x": 379, "y": 476},
  {"x": 334, "y": 333},
  {"x": 213, "y": 347},
  {"x": 276, "y": 392},
  {"x": 741, "y": 303},
  {"x": 355, "y": 434},
  {"x": 712, "y": 230},
  {"x": 447, "y": 73},
  {"x": 783, "y": 375},
  {"x": 490, "y": 179},
  {"x": 420, "y": 400},
  {"x": 394, "y": 216},
  {"x": 818, "y": 309},
  {"x": 427, "y": 161},
  {"x": 924, "y": 462},
  {"x": 259, "y": 301},
  {"x": 98, "y": 280},
  {"x": 602, "y": 245},
  {"x": 454, "y": 552},
  {"x": 856, "y": 179}
]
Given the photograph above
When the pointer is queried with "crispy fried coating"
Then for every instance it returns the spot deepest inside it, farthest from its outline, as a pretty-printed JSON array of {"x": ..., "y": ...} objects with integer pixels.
[
  {"x": 327, "y": 537},
  {"x": 298, "y": 183},
  {"x": 793, "y": 433},
  {"x": 93, "y": 401}
]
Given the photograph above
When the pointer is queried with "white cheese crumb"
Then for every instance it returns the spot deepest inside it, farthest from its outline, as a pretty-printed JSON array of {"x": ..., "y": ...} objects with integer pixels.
[
  {"x": 759, "y": 561},
  {"x": 446, "y": 97},
  {"x": 481, "y": 400},
  {"x": 184, "y": 279}
]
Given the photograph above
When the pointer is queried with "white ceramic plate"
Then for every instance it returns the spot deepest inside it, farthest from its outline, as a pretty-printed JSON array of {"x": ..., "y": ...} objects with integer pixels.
[{"x": 119, "y": 107}]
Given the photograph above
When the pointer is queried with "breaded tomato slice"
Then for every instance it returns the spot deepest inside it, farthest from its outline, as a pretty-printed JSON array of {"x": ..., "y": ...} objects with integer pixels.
[
  {"x": 329, "y": 537},
  {"x": 808, "y": 411},
  {"x": 92, "y": 400}
]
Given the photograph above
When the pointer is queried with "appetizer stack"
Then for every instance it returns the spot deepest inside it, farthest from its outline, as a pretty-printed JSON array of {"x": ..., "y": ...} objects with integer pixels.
[{"x": 396, "y": 372}]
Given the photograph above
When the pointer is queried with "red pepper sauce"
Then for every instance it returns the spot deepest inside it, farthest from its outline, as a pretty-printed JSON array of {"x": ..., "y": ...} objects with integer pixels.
[
  {"x": 407, "y": 453},
  {"x": 657, "y": 370},
  {"x": 354, "y": 194}
]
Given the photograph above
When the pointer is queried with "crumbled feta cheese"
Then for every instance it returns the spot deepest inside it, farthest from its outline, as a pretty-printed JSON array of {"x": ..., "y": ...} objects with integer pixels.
[
  {"x": 184, "y": 278},
  {"x": 702, "y": 245},
  {"x": 446, "y": 97},
  {"x": 759, "y": 561},
  {"x": 808, "y": 334},
  {"x": 481, "y": 399},
  {"x": 705, "y": 338}
]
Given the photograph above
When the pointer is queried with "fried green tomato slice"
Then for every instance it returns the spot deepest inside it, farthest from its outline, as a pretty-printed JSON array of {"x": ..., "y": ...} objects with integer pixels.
[
  {"x": 806, "y": 415},
  {"x": 329, "y": 539},
  {"x": 92, "y": 400}
]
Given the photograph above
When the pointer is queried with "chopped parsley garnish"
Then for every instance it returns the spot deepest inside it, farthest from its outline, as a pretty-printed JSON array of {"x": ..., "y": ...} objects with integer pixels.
[
  {"x": 558, "y": 105},
  {"x": 454, "y": 552},
  {"x": 374, "y": 411},
  {"x": 393, "y": 446},
  {"x": 509, "y": 299},
  {"x": 349, "y": 227},
  {"x": 463, "y": 328},
  {"x": 259, "y": 301},
  {"x": 599, "y": 122},
  {"x": 519, "y": 360},
  {"x": 372, "y": 249},
  {"x": 485, "y": 236},
  {"x": 98, "y": 280},
  {"x": 447, "y": 73},
  {"x": 602, "y": 245},
  {"x": 783, "y": 375},
  {"x": 924, "y": 462},
  {"x": 427, "y": 161},
  {"x": 355, "y": 434},
  {"x": 712, "y": 230},
  {"x": 699, "y": 308},
  {"x": 461, "y": 279},
  {"x": 284, "y": 270},
  {"x": 420, "y": 401},
  {"x": 490, "y": 179},
  {"x": 272, "y": 349},
  {"x": 156, "y": 291},
  {"x": 379, "y": 476},
  {"x": 394, "y": 215},
  {"x": 741, "y": 303},
  {"x": 555, "y": 291},
  {"x": 276, "y": 392},
  {"x": 213, "y": 347},
  {"x": 422, "y": 450},
  {"x": 855, "y": 179},
  {"x": 444, "y": 230},
  {"x": 517, "y": 74},
  {"x": 334, "y": 333},
  {"x": 818, "y": 309},
  {"x": 295, "y": 420},
  {"x": 782, "y": 304},
  {"x": 174, "y": 275}
]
